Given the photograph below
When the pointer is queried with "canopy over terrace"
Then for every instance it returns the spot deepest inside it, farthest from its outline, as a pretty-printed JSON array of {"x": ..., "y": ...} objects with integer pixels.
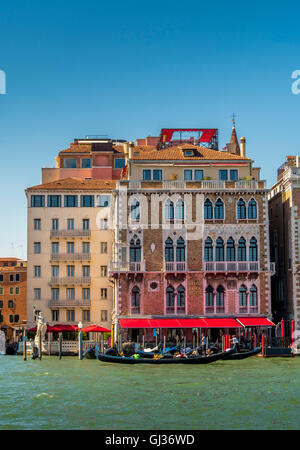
[
  {"x": 95, "y": 329},
  {"x": 255, "y": 322},
  {"x": 57, "y": 328},
  {"x": 180, "y": 323}
]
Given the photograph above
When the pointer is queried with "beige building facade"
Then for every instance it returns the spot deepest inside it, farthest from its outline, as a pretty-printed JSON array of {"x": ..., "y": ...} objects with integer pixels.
[{"x": 69, "y": 237}]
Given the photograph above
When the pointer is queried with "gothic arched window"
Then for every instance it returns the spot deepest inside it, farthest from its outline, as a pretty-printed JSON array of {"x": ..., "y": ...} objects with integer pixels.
[
  {"x": 241, "y": 209},
  {"x": 208, "y": 209},
  {"x": 208, "y": 250},
  {"x": 135, "y": 210},
  {"x": 169, "y": 209},
  {"x": 242, "y": 250},
  {"x": 209, "y": 296},
  {"x": 180, "y": 296},
  {"x": 219, "y": 209},
  {"x": 170, "y": 296},
  {"x": 219, "y": 249},
  {"x": 252, "y": 209},
  {"x": 253, "y": 295},
  {"x": 180, "y": 250},
  {"x": 253, "y": 249},
  {"x": 135, "y": 299},
  {"x": 220, "y": 296},
  {"x": 169, "y": 250},
  {"x": 230, "y": 250},
  {"x": 243, "y": 296},
  {"x": 179, "y": 211},
  {"x": 135, "y": 249}
]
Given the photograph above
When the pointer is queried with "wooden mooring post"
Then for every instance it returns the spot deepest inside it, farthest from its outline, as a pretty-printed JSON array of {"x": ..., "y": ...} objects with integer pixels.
[
  {"x": 24, "y": 345},
  {"x": 263, "y": 345},
  {"x": 40, "y": 345},
  {"x": 60, "y": 345}
]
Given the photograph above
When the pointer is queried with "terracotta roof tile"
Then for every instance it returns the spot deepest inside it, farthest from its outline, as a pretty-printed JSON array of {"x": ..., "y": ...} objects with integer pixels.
[
  {"x": 75, "y": 184},
  {"x": 175, "y": 153},
  {"x": 77, "y": 148},
  {"x": 87, "y": 148}
]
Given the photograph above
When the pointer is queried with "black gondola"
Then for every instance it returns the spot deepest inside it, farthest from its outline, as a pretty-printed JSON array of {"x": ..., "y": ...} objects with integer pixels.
[
  {"x": 189, "y": 360},
  {"x": 242, "y": 355}
]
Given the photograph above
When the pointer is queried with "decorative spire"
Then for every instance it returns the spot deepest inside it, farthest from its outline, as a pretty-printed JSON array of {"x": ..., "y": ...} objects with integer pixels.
[
  {"x": 234, "y": 146},
  {"x": 233, "y": 120}
]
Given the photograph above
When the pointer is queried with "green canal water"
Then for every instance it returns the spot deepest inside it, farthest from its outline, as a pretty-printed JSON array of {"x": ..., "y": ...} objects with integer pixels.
[{"x": 70, "y": 394}]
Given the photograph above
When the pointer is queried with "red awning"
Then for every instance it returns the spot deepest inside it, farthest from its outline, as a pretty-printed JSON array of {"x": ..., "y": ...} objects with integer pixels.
[
  {"x": 255, "y": 322},
  {"x": 95, "y": 329},
  {"x": 61, "y": 328},
  {"x": 179, "y": 323},
  {"x": 49, "y": 328},
  {"x": 222, "y": 323}
]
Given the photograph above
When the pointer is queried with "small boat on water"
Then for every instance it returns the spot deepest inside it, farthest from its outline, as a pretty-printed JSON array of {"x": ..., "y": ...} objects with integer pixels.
[
  {"x": 91, "y": 352},
  {"x": 242, "y": 355},
  {"x": 136, "y": 359}
]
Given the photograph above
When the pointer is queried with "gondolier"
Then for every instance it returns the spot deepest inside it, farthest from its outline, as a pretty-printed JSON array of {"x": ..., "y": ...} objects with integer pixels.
[
  {"x": 203, "y": 344},
  {"x": 235, "y": 343}
]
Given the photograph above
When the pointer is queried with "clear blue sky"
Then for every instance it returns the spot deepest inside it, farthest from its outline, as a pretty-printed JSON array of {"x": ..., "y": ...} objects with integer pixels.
[{"x": 127, "y": 69}]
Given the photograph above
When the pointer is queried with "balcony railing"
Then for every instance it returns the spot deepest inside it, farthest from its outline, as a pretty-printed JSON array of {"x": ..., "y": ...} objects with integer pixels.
[
  {"x": 224, "y": 266},
  {"x": 248, "y": 309},
  {"x": 70, "y": 233},
  {"x": 134, "y": 184},
  {"x": 201, "y": 184},
  {"x": 175, "y": 267},
  {"x": 135, "y": 310},
  {"x": 246, "y": 184},
  {"x": 69, "y": 280},
  {"x": 213, "y": 184},
  {"x": 214, "y": 310},
  {"x": 173, "y": 310},
  {"x": 70, "y": 257},
  {"x": 127, "y": 266},
  {"x": 175, "y": 184},
  {"x": 63, "y": 303}
]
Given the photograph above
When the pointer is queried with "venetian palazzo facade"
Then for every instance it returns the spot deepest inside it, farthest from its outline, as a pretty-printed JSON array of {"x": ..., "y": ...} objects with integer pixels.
[
  {"x": 69, "y": 241},
  {"x": 191, "y": 239},
  {"x": 284, "y": 213}
]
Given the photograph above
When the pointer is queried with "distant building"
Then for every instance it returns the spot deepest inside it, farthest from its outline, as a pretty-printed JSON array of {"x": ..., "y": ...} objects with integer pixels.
[
  {"x": 284, "y": 214},
  {"x": 13, "y": 281}
]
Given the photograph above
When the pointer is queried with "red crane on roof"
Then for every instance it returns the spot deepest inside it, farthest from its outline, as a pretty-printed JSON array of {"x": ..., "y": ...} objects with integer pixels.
[{"x": 207, "y": 137}]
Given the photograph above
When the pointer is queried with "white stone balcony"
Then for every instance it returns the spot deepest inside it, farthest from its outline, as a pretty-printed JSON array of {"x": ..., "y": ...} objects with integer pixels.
[
  {"x": 174, "y": 184},
  {"x": 246, "y": 184},
  {"x": 121, "y": 266},
  {"x": 213, "y": 184},
  {"x": 226, "y": 266},
  {"x": 175, "y": 266}
]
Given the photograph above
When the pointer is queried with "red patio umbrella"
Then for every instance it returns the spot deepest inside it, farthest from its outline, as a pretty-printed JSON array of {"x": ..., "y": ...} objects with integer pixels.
[{"x": 95, "y": 329}]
